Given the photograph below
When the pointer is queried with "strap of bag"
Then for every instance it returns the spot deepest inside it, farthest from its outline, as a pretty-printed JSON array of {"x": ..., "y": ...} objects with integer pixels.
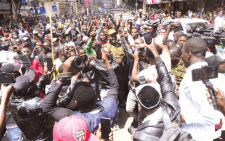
[
  {"x": 65, "y": 75},
  {"x": 166, "y": 119}
]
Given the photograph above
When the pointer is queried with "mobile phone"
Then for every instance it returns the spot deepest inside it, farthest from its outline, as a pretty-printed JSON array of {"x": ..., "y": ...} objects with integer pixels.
[
  {"x": 148, "y": 38},
  {"x": 105, "y": 24},
  {"x": 98, "y": 48},
  {"x": 105, "y": 128},
  {"x": 141, "y": 52},
  {"x": 205, "y": 73},
  {"x": 7, "y": 78},
  {"x": 49, "y": 64}
]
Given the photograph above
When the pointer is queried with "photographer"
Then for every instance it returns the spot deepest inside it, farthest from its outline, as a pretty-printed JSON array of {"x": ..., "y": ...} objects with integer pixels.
[
  {"x": 197, "y": 116},
  {"x": 85, "y": 98},
  {"x": 150, "y": 103},
  {"x": 171, "y": 28},
  {"x": 25, "y": 108}
]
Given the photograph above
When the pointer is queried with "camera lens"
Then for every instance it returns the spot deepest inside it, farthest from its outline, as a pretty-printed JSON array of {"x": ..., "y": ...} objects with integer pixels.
[{"x": 78, "y": 63}]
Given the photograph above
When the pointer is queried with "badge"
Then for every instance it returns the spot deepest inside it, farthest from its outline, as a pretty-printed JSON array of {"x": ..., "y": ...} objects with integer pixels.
[{"x": 79, "y": 135}]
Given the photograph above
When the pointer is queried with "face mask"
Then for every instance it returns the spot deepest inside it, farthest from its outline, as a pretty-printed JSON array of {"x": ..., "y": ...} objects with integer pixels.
[{"x": 15, "y": 37}]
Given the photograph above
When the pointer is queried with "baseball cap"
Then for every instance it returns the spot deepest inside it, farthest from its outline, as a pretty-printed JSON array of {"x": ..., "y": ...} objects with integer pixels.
[
  {"x": 10, "y": 68},
  {"x": 111, "y": 31},
  {"x": 55, "y": 39},
  {"x": 148, "y": 97},
  {"x": 73, "y": 128},
  {"x": 25, "y": 38},
  {"x": 22, "y": 82}
]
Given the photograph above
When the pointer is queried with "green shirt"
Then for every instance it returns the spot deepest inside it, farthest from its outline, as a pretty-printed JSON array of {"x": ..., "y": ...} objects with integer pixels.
[
  {"x": 88, "y": 48},
  {"x": 179, "y": 72}
]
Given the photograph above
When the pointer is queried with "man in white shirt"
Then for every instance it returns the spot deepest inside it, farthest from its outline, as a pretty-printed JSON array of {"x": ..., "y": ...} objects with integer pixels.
[
  {"x": 197, "y": 116},
  {"x": 219, "y": 20},
  {"x": 23, "y": 32}
]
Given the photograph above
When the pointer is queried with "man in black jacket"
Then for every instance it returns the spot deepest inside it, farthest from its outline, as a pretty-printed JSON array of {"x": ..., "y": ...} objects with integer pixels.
[
  {"x": 85, "y": 98},
  {"x": 25, "y": 107},
  {"x": 149, "y": 101}
]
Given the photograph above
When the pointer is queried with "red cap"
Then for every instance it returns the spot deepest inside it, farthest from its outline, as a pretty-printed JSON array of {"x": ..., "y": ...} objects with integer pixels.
[{"x": 73, "y": 128}]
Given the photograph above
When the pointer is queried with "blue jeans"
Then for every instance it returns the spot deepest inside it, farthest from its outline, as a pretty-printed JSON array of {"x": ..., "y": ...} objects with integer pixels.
[
  {"x": 14, "y": 134},
  {"x": 139, "y": 28}
]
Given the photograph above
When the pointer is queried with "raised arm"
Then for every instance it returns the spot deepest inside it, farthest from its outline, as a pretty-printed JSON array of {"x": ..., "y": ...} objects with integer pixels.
[
  {"x": 169, "y": 28},
  {"x": 168, "y": 93},
  {"x": 49, "y": 103},
  {"x": 126, "y": 48},
  {"x": 114, "y": 85},
  {"x": 135, "y": 67},
  {"x": 6, "y": 93}
]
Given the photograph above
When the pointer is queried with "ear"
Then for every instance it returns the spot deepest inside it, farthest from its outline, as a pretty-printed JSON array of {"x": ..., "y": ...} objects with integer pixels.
[
  {"x": 61, "y": 52},
  {"x": 75, "y": 102},
  {"x": 189, "y": 54}
]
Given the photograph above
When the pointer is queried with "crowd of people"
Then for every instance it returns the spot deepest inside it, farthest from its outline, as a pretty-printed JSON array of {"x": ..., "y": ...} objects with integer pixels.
[{"x": 71, "y": 73}]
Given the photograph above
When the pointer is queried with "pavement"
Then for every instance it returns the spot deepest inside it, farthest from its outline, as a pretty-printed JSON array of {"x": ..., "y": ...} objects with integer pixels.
[{"x": 124, "y": 121}]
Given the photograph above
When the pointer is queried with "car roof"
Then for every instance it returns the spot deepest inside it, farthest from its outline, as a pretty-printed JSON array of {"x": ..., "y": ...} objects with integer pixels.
[{"x": 186, "y": 20}]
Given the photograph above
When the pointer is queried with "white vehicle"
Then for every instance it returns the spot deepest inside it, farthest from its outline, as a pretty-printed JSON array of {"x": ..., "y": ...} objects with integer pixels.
[{"x": 188, "y": 23}]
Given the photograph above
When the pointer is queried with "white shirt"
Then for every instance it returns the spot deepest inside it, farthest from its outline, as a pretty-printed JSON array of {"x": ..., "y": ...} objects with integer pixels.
[
  {"x": 150, "y": 75},
  {"x": 218, "y": 22},
  {"x": 200, "y": 117},
  {"x": 159, "y": 39}
]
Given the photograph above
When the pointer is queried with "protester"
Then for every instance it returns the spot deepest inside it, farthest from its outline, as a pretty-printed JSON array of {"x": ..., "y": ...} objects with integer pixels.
[{"x": 86, "y": 66}]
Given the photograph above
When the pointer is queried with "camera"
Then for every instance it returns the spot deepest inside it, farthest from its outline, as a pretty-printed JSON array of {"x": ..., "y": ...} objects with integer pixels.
[
  {"x": 212, "y": 39},
  {"x": 4, "y": 46},
  {"x": 78, "y": 63}
]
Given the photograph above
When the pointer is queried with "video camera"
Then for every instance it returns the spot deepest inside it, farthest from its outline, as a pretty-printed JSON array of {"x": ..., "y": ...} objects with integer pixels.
[{"x": 211, "y": 37}]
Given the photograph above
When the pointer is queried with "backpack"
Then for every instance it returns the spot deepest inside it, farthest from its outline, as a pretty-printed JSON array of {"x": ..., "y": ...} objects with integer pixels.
[{"x": 173, "y": 133}]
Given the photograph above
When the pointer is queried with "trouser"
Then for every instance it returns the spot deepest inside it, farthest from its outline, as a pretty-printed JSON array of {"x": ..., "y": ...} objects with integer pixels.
[
  {"x": 131, "y": 105},
  {"x": 139, "y": 28},
  {"x": 14, "y": 134},
  {"x": 132, "y": 109}
]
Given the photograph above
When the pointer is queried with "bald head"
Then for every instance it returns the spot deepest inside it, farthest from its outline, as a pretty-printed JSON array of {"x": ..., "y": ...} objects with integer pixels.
[{"x": 139, "y": 40}]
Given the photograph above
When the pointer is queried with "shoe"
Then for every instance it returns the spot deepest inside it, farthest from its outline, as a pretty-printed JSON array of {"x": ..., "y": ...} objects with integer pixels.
[{"x": 115, "y": 127}]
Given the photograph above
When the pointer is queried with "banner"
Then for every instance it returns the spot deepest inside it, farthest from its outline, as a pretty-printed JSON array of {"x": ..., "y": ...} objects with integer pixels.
[
  {"x": 24, "y": 2},
  {"x": 86, "y": 3},
  {"x": 54, "y": 8},
  {"x": 82, "y": 9}
]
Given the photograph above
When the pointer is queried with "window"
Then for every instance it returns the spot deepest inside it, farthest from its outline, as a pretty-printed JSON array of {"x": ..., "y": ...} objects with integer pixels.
[{"x": 2, "y": 16}]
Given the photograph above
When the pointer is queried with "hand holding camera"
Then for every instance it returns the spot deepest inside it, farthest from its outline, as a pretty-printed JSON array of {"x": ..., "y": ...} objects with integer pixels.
[
  {"x": 67, "y": 65},
  {"x": 153, "y": 48}
]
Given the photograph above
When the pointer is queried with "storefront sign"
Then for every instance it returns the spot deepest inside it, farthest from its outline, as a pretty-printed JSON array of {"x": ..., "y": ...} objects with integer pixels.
[
  {"x": 86, "y": 3},
  {"x": 157, "y": 1},
  {"x": 82, "y": 9},
  {"x": 4, "y": 12},
  {"x": 54, "y": 8}
]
